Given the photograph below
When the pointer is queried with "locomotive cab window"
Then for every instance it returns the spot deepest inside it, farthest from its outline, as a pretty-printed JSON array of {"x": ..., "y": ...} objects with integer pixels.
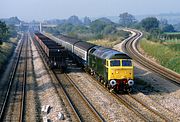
[
  {"x": 115, "y": 62},
  {"x": 126, "y": 63}
]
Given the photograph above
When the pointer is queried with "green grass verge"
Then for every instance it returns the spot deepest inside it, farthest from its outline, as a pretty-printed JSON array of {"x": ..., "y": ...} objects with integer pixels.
[
  {"x": 6, "y": 50},
  {"x": 166, "y": 53}
]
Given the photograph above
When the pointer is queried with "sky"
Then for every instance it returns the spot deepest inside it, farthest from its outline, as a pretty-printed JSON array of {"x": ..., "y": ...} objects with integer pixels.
[{"x": 61, "y": 9}]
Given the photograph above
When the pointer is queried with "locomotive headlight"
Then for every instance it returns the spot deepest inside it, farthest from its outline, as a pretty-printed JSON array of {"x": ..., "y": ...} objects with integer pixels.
[
  {"x": 130, "y": 82},
  {"x": 113, "y": 83}
]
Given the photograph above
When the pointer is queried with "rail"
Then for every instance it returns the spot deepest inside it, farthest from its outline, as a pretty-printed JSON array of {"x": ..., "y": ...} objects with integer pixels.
[
  {"x": 11, "y": 79},
  {"x": 130, "y": 46}
]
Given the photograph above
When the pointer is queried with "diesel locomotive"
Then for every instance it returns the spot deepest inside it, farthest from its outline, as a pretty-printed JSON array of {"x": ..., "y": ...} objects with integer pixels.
[{"x": 111, "y": 67}]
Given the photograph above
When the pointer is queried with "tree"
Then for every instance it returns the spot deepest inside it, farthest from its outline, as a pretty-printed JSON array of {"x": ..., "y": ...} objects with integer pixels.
[
  {"x": 126, "y": 19},
  {"x": 102, "y": 26},
  {"x": 109, "y": 29},
  {"x": 3, "y": 31},
  {"x": 150, "y": 23},
  {"x": 12, "y": 31},
  {"x": 97, "y": 26},
  {"x": 74, "y": 20},
  {"x": 168, "y": 28},
  {"x": 87, "y": 21}
]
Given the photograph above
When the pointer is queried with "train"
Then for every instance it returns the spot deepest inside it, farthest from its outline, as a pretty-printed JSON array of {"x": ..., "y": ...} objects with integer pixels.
[
  {"x": 55, "y": 53},
  {"x": 111, "y": 67}
]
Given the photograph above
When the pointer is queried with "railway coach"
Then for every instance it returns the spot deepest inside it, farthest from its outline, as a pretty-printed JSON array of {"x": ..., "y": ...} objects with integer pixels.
[
  {"x": 113, "y": 68},
  {"x": 55, "y": 54}
]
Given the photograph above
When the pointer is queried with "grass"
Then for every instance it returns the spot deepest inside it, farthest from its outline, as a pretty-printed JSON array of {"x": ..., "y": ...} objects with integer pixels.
[
  {"x": 172, "y": 33},
  {"x": 6, "y": 50},
  {"x": 106, "y": 42},
  {"x": 166, "y": 53}
]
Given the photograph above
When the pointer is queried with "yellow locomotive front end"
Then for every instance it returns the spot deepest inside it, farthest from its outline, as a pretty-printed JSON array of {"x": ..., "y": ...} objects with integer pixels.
[{"x": 120, "y": 74}]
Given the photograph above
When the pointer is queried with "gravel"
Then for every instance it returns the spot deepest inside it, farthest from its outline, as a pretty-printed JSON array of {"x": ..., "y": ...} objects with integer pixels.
[
  {"x": 46, "y": 91},
  {"x": 109, "y": 107}
]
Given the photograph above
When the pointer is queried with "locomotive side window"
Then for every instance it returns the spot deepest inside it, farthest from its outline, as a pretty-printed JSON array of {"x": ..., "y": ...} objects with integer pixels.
[
  {"x": 115, "y": 63},
  {"x": 126, "y": 63}
]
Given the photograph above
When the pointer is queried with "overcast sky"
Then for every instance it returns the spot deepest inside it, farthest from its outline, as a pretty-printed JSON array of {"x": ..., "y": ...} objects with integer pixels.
[{"x": 61, "y": 9}]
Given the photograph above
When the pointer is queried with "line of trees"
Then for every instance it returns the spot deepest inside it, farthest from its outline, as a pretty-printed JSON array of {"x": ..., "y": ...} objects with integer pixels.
[
  {"x": 96, "y": 29},
  {"x": 152, "y": 25},
  {"x": 4, "y": 32}
]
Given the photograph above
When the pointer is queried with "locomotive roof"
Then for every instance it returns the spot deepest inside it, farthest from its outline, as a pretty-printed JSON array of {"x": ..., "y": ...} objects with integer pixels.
[
  {"x": 68, "y": 39},
  {"x": 107, "y": 53},
  {"x": 84, "y": 45}
]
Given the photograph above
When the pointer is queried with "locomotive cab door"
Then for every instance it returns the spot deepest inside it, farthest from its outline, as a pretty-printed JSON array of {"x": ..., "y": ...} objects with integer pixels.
[{"x": 107, "y": 69}]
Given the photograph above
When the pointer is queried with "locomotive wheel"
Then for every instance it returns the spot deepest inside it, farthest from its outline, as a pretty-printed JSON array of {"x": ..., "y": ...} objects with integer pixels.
[
  {"x": 105, "y": 84},
  {"x": 102, "y": 81},
  {"x": 108, "y": 87},
  {"x": 111, "y": 90}
]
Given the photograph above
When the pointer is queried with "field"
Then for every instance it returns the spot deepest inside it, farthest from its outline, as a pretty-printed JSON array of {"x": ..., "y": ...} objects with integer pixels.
[
  {"x": 166, "y": 53},
  {"x": 6, "y": 50}
]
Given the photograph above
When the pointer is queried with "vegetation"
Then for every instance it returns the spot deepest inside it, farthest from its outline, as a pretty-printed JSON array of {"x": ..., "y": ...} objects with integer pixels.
[
  {"x": 126, "y": 20},
  {"x": 6, "y": 31},
  {"x": 159, "y": 41},
  {"x": 6, "y": 43},
  {"x": 150, "y": 23},
  {"x": 11, "y": 21},
  {"x": 98, "y": 29},
  {"x": 167, "y": 53},
  {"x": 171, "y": 36},
  {"x": 3, "y": 32},
  {"x": 177, "y": 27},
  {"x": 6, "y": 50},
  {"x": 109, "y": 41}
]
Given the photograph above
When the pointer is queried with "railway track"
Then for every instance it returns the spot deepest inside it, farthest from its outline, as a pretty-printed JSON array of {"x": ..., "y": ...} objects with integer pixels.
[
  {"x": 142, "y": 110},
  {"x": 81, "y": 108},
  {"x": 22, "y": 107},
  {"x": 130, "y": 46},
  {"x": 137, "y": 106},
  {"x": 14, "y": 102}
]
